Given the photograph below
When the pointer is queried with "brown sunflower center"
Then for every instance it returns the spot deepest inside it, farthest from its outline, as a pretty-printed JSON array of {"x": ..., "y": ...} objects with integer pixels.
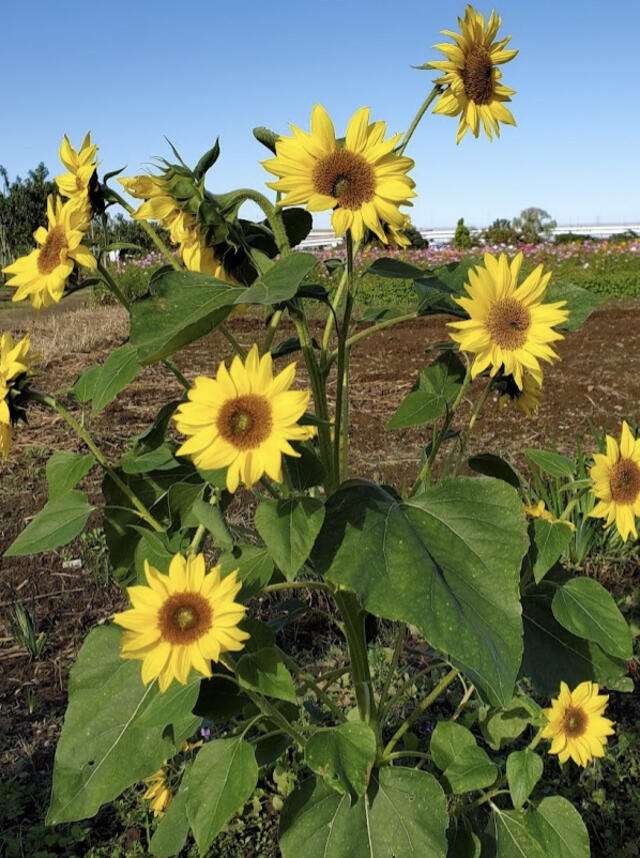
[
  {"x": 624, "y": 481},
  {"x": 575, "y": 722},
  {"x": 49, "y": 256},
  {"x": 245, "y": 421},
  {"x": 476, "y": 75},
  {"x": 508, "y": 322},
  {"x": 184, "y": 618},
  {"x": 347, "y": 176}
]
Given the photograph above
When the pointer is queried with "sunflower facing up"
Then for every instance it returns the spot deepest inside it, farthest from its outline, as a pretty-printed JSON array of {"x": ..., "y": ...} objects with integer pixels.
[
  {"x": 182, "y": 620},
  {"x": 362, "y": 181},
  {"x": 244, "y": 419},
  {"x": 82, "y": 167},
  {"x": 508, "y": 325},
  {"x": 576, "y": 725},
  {"x": 472, "y": 77},
  {"x": 616, "y": 477},
  {"x": 42, "y": 275},
  {"x": 14, "y": 365}
]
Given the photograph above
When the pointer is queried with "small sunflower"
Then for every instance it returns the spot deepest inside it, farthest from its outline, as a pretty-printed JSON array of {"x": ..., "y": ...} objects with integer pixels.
[
  {"x": 181, "y": 620},
  {"x": 159, "y": 792},
  {"x": 508, "y": 325},
  {"x": 243, "y": 420},
  {"x": 363, "y": 181},
  {"x": 526, "y": 400},
  {"x": 576, "y": 725},
  {"x": 42, "y": 275},
  {"x": 82, "y": 168},
  {"x": 14, "y": 367},
  {"x": 540, "y": 511},
  {"x": 472, "y": 77},
  {"x": 616, "y": 477}
]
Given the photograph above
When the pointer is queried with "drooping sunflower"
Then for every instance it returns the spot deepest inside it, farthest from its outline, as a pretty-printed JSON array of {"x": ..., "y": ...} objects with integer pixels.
[
  {"x": 244, "y": 419},
  {"x": 508, "y": 325},
  {"x": 82, "y": 167},
  {"x": 472, "y": 77},
  {"x": 528, "y": 398},
  {"x": 576, "y": 727},
  {"x": 159, "y": 793},
  {"x": 41, "y": 276},
  {"x": 363, "y": 181},
  {"x": 14, "y": 366},
  {"x": 182, "y": 620},
  {"x": 616, "y": 477},
  {"x": 540, "y": 511}
]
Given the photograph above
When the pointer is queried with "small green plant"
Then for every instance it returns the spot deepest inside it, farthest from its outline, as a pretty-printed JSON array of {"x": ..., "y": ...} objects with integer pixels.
[
  {"x": 462, "y": 237},
  {"x": 21, "y": 625}
]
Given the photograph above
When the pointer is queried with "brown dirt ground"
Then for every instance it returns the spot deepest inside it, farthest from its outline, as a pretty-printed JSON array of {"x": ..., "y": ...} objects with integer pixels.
[{"x": 596, "y": 381}]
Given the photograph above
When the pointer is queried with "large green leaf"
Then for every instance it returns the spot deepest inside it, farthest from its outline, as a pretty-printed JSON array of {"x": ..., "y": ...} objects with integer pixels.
[
  {"x": 172, "y": 830},
  {"x": 559, "y": 828},
  {"x": 552, "y": 654},
  {"x": 395, "y": 269},
  {"x": 119, "y": 369},
  {"x": 587, "y": 610},
  {"x": 502, "y": 726},
  {"x": 115, "y": 730},
  {"x": 65, "y": 470},
  {"x": 281, "y": 281},
  {"x": 580, "y": 302},
  {"x": 289, "y": 529},
  {"x": 254, "y": 565},
  {"x": 549, "y": 539},
  {"x": 447, "y": 561},
  {"x": 344, "y": 756},
  {"x": 465, "y": 765},
  {"x": 84, "y": 386},
  {"x": 402, "y": 815},
  {"x": 221, "y": 779},
  {"x": 186, "y": 306},
  {"x": 438, "y": 385},
  {"x": 510, "y": 833},
  {"x": 524, "y": 770},
  {"x": 551, "y": 463},
  {"x": 265, "y": 671},
  {"x": 57, "y": 523}
]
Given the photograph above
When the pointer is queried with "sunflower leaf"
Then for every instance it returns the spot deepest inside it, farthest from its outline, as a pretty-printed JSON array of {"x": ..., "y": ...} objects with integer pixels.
[{"x": 57, "y": 523}]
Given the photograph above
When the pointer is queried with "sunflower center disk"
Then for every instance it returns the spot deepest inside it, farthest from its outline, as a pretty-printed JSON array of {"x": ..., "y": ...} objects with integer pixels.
[
  {"x": 575, "y": 722},
  {"x": 508, "y": 322},
  {"x": 49, "y": 256},
  {"x": 184, "y": 618},
  {"x": 347, "y": 176},
  {"x": 477, "y": 77},
  {"x": 245, "y": 422},
  {"x": 624, "y": 481}
]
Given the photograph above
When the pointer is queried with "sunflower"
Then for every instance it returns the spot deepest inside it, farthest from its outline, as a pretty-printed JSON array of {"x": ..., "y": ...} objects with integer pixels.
[
  {"x": 159, "y": 792},
  {"x": 616, "y": 477},
  {"x": 540, "y": 511},
  {"x": 362, "y": 180},
  {"x": 526, "y": 400},
  {"x": 82, "y": 167},
  {"x": 181, "y": 620},
  {"x": 575, "y": 723},
  {"x": 243, "y": 420},
  {"x": 472, "y": 77},
  {"x": 508, "y": 326},
  {"x": 14, "y": 365},
  {"x": 41, "y": 276}
]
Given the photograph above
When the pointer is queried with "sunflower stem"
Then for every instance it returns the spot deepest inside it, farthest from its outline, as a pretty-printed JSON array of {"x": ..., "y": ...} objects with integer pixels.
[
  {"x": 464, "y": 443},
  {"x": 437, "y": 89},
  {"x": 274, "y": 321},
  {"x": 153, "y": 235},
  {"x": 395, "y": 658},
  {"x": 82, "y": 433},
  {"x": 353, "y": 617},
  {"x": 235, "y": 345},
  {"x": 444, "y": 683},
  {"x": 335, "y": 304},
  {"x": 341, "y": 432},
  {"x": 272, "y": 214},
  {"x": 368, "y": 332},
  {"x": 384, "y": 708},
  {"x": 311, "y": 684}
]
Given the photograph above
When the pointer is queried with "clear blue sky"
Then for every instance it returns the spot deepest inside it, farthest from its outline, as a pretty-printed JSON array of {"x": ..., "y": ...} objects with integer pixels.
[{"x": 135, "y": 71}]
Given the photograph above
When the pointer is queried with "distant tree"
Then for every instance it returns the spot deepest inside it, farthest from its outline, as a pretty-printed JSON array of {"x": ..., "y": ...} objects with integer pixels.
[
  {"x": 462, "y": 237},
  {"x": 23, "y": 208},
  {"x": 416, "y": 238},
  {"x": 500, "y": 232},
  {"x": 534, "y": 225}
]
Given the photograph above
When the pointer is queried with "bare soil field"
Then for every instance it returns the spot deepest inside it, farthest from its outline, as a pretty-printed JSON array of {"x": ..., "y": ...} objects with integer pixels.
[{"x": 597, "y": 380}]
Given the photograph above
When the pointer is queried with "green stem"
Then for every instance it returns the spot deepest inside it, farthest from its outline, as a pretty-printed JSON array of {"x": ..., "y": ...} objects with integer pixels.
[
  {"x": 437, "y": 89},
  {"x": 235, "y": 345},
  {"x": 82, "y": 433},
  {"x": 388, "y": 707},
  {"x": 271, "y": 331},
  {"x": 395, "y": 658},
  {"x": 353, "y": 617},
  {"x": 335, "y": 304},
  {"x": 119, "y": 296},
  {"x": 425, "y": 471},
  {"x": 296, "y": 585},
  {"x": 464, "y": 443},
  {"x": 444, "y": 683},
  {"x": 374, "y": 329},
  {"x": 397, "y": 755},
  {"x": 273, "y": 216},
  {"x": 341, "y": 433},
  {"x": 146, "y": 226},
  {"x": 311, "y": 684}
]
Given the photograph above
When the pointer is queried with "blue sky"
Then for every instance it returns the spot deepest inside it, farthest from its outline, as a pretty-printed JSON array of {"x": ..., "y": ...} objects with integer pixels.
[{"x": 135, "y": 71}]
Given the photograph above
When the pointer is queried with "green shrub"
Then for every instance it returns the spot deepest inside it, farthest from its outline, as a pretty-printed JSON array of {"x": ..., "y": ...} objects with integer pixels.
[{"x": 133, "y": 281}]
